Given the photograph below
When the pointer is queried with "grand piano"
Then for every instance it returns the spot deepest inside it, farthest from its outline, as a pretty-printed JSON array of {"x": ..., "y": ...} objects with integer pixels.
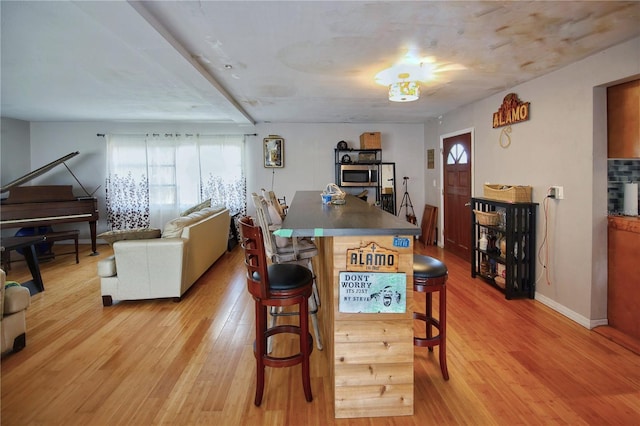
[{"x": 47, "y": 205}]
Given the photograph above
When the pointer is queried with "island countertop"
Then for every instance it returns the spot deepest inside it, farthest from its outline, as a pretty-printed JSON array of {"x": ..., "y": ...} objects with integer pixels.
[{"x": 307, "y": 216}]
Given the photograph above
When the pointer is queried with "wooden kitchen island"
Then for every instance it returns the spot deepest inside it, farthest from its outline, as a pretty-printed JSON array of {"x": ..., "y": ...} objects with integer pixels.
[{"x": 370, "y": 354}]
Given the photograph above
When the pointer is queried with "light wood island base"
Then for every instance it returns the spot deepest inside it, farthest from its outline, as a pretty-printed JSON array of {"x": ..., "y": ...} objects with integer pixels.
[{"x": 370, "y": 356}]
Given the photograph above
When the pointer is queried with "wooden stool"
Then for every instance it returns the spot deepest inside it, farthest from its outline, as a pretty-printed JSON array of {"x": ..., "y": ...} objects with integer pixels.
[
  {"x": 430, "y": 275},
  {"x": 276, "y": 285}
]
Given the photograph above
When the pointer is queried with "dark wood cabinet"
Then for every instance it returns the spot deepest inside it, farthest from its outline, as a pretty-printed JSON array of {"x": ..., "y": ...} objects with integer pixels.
[
  {"x": 623, "y": 120},
  {"x": 623, "y": 293},
  {"x": 507, "y": 262}
]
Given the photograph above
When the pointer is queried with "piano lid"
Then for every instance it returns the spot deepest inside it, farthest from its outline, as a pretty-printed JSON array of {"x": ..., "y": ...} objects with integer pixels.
[{"x": 34, "y": 174}]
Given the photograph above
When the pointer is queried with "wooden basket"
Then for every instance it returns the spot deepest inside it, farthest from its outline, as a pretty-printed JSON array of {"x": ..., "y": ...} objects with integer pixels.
[
  {"x": 370, "y": 140},
  {"x": 512, "y": 194},
  {"x": 487, "y": 218}
]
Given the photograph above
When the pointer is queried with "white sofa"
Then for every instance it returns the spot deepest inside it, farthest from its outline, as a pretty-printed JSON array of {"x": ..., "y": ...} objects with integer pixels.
[
  {"x": 167, "y": 266},
  {"x": 14, "y": 301}
]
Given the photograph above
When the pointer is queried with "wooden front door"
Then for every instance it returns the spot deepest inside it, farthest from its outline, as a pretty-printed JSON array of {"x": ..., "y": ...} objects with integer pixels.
[{"x": 457, "y": 194}]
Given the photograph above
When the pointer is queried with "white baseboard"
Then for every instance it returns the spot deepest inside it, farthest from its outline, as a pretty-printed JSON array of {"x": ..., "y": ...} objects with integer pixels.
[{"x": 574, "y": 316}]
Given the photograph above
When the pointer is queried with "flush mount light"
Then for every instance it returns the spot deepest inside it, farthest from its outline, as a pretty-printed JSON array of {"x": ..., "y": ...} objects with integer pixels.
[
  {"x": 404, "y": 78},
  {"x": 404, "y": 91},
  {"x": 403, "y": 82}
]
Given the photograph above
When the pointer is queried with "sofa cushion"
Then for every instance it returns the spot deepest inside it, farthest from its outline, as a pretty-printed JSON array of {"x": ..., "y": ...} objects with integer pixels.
[
  {"x": 197, "y": 207},
  {"x": 173, "y": 228},
  {"x": 216, "y": 208},
  {"x": 130, "y": 234}
]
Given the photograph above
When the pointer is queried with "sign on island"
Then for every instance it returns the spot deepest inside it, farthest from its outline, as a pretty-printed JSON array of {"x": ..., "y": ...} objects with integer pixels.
[{"x": 373, "y": 292}]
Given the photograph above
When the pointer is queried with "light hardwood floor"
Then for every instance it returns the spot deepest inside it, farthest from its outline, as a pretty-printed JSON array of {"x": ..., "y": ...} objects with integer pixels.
[{"x": 160, "y": 362}]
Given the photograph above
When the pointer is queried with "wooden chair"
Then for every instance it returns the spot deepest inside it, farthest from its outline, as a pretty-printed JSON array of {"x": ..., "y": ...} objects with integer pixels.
[
  {"x": 276, "y": 285},
  {"x": 430, "y": 276},
  {"x": 280, "y": 204}
]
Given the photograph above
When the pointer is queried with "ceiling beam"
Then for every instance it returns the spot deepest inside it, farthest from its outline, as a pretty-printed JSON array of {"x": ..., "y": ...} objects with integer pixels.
[{"x": 162, "y": 30}]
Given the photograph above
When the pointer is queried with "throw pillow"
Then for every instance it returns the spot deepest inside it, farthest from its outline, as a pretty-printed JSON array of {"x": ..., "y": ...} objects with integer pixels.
[
  {"x": 197, "y": 207},
  {"x": 130, "y": 234},
  {"x": 173, "y": 228}
]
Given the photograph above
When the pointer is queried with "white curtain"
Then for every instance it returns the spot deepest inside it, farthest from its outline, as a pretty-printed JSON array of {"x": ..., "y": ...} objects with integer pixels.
[{"x": 152, "y": 178}]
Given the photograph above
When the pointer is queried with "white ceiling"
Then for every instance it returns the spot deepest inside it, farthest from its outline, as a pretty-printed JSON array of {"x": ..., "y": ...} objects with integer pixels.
[{"x": 291, "y": 61}]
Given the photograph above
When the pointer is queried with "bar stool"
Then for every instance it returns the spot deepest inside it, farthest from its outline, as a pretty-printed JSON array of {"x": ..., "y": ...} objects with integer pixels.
[
  {"x": 430, "y": 275},
  {"x": 287, "y": 250},
  {"x": 276, "y": 285}
]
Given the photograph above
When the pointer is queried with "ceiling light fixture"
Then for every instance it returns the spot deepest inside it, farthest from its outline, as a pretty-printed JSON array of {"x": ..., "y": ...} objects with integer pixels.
[
  {"x": 404, "y": 91},
  {"x": 404, "y": 78}
]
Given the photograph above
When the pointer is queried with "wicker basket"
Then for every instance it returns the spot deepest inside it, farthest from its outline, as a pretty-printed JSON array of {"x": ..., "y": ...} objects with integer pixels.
[
  {"x": 487, "y": 218},
  {"x": 512, "y": 194}
]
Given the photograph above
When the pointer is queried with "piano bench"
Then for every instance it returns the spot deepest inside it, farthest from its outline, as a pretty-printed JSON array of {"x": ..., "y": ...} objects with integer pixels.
[
  {"x": 71, "y": 234},
  {"x": 50, "y": 236}
]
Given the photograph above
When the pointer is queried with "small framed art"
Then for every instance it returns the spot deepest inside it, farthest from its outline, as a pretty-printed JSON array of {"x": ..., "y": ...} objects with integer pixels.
[{"x": 273, "y": 151}]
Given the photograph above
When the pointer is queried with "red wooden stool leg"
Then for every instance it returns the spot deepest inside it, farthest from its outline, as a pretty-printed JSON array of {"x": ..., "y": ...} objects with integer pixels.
[
  {"x": 260, "y": 349},
  {"x": 305, "y": 349},
  {"x": 443, "y": 332}
]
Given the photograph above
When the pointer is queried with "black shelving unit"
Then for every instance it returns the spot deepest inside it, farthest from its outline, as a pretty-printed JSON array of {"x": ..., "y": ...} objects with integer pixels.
[
  {"x": 369, "y": 157},
  {"x": 387, "y": 173},
  {"x": 358, "y": 156},
  {"x": 509, "y": 260},
  {"x": 373, "y": 156}
]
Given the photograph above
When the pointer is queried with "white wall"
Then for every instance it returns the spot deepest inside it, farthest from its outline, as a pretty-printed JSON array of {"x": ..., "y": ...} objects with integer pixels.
[
  {"x": 563, "y": 144},
  {"x": 14, "y": 149},
  {"x": 309, "y": 157},
  {"x": 14, "y": 154}
]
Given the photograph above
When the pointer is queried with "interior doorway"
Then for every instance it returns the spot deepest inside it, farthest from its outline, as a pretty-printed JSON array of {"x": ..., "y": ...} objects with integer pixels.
[{"x": 457, "y": 172}]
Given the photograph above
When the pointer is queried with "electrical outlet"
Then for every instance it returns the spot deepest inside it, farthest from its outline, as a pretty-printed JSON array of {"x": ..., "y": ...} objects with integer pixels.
[{"x": 556, "y": 192}]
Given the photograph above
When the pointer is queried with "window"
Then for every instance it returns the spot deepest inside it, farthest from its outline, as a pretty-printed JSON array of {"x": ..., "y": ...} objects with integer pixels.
[
  {"x": 152, "y": 178},
  {"x": 457, "y": 155}
]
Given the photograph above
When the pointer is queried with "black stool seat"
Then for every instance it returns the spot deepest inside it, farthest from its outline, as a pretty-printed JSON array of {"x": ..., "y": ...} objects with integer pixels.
[
  {"x": 429, "y": 276},
  {"x": 287, "y": 277},
  {"x": 428, "y": 267}
]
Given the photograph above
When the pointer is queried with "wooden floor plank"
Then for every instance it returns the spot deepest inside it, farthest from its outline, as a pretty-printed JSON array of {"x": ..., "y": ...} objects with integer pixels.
[{"x": 187, "y": 363}]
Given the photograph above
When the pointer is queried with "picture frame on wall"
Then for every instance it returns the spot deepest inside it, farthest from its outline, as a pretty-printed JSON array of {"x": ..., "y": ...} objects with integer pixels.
[{"x": 273, "y": 152}]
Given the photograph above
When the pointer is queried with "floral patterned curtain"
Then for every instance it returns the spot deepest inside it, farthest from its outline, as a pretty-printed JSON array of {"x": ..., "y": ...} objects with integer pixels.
[
  {"x": 127, "y": 186},
  {"x": 222, "y": 171},
  {"x": 152, "y": 178}
]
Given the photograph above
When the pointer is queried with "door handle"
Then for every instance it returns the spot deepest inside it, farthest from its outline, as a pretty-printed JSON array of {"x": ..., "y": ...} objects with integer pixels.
[{"x": 467, "y": 204}]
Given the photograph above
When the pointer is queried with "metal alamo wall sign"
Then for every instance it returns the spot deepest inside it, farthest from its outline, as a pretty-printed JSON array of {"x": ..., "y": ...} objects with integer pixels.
[
  {"x": 372, "y": 258},
  {"x": 512, "y": 110}
]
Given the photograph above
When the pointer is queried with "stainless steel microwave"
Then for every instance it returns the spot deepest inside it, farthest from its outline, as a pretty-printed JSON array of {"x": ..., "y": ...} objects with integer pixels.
[{"x": 358, "y": 175}]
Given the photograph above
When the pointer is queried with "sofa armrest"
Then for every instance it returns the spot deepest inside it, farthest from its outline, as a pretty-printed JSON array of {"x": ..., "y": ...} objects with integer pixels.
[
  {"x": 150, "y": 268},
  {"x": 16, "y": 299}
]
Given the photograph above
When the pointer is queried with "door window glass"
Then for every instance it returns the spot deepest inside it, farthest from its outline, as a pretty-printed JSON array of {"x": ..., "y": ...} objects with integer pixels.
[{"x": 457, "y": 155}]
